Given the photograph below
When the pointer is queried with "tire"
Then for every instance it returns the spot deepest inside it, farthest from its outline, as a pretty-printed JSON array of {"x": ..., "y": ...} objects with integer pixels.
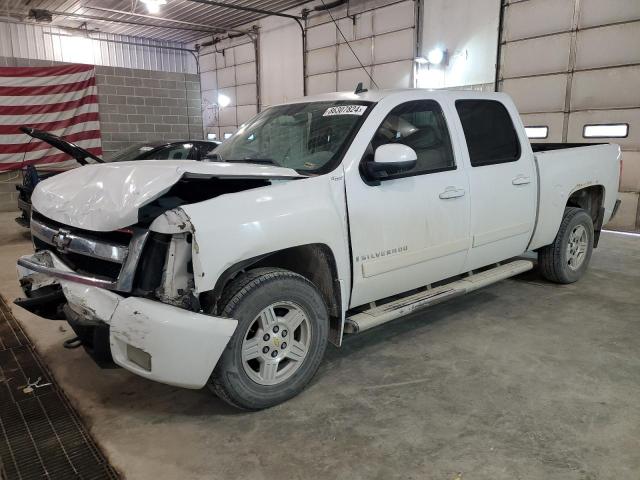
[
  {"x": 556, "y": 262},
  {"x": 270, "y": 301}
]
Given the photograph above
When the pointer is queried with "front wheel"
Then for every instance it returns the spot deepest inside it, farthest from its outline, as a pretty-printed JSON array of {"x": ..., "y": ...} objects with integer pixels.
[
  {"x": 282, "y": 332},
  {"x": 567, "y": 258}
]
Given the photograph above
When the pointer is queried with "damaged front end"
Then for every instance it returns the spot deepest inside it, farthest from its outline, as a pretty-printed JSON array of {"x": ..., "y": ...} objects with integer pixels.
[
  {"x": 128, "y": 295},
  {"x": 114, "y": 258}
]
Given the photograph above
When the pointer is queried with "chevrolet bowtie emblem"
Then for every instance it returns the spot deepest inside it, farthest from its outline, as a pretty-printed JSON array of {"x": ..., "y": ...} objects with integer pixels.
[
  {"x": 62, "y": 239},
  {"x": 276, "y": 342}
]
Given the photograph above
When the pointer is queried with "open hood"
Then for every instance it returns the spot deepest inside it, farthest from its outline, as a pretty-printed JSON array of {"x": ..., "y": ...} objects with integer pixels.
[
  {"x": 110, "y": 196},
  {"x": 78, "y": 153}
]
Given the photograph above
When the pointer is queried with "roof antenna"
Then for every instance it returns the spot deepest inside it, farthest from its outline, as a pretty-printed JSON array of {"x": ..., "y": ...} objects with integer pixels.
[{"x": 360, "y": 89}]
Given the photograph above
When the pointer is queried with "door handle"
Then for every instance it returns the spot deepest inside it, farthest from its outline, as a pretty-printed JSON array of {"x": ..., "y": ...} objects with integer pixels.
[
  {"x": 452, "y": 192},
  {"x": 521, "y": 180}
]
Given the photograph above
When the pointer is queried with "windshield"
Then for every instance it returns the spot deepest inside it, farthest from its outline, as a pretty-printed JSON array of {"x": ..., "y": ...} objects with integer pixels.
[
  {"x": 131, "y": 153},
  {"x": 302, "y": 136}
]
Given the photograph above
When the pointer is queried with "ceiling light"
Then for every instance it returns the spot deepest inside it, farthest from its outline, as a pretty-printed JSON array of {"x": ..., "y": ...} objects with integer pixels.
[
  {"x": 421, "y": 60},
  {"x": 223, "y": 100},
  {"x": 436, "y": 56},
  {"x": 153, "y": 6}
]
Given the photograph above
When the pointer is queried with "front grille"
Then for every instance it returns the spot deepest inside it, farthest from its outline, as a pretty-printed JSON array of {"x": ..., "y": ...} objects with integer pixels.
[
  {"x": 84, "y": 252},
  {"x": 122, "y": 237},
  {"x": 82, "y": 263},
  {"x": 104, "y": 259}
]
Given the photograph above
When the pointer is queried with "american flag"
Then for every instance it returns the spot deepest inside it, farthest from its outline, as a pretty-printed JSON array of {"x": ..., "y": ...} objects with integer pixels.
[{"x": 61, "y": 100}]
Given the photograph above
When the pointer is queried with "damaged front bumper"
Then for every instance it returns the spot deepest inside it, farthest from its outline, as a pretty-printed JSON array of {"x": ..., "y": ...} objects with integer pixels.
[{"x": 149, "y": 338}]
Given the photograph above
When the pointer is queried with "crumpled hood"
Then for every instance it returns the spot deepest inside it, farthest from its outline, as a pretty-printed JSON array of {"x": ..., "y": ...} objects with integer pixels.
[{"x": 107, "y": 197}]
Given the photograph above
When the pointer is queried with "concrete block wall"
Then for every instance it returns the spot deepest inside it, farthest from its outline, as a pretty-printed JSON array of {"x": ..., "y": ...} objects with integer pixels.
[
  {"x": 142, "y": 105},
  {"x": 135, "y": 106}
]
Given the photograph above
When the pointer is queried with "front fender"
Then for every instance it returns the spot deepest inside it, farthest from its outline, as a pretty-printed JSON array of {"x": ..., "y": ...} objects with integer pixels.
[{"x": 235, "y": 227}]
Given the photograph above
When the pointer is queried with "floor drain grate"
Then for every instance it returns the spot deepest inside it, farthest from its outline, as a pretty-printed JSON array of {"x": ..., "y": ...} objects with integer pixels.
[{"x": 41, "y": 436}]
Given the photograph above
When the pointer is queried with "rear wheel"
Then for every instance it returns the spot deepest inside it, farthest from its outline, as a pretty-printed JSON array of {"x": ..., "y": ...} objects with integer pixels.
[
  {"x": 567, "y": 258},
  {"x": 280, "y": 340}
]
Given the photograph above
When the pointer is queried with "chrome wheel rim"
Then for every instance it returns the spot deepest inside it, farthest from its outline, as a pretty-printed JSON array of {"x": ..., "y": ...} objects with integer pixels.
[
  {"x": 577, "y": 247},
  {"x": 276, "y": 343}
]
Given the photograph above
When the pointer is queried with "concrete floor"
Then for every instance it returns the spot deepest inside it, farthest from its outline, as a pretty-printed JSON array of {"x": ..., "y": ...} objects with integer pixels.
[{"x": 521, "y": 380}]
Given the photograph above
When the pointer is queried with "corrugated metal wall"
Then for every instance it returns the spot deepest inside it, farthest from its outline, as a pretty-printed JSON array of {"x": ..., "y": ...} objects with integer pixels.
[{"x": 50, "y": 43}]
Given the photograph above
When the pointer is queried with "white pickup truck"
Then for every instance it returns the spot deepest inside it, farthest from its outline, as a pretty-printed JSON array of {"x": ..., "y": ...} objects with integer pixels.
[{"x": 320, "y": 218}]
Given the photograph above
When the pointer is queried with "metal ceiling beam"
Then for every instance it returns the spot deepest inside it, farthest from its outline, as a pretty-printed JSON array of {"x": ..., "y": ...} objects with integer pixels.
[
  {"x": 248, "y": 9},
  {"x": 131, "y": 22},
  {"x": 182, "y": 22}
]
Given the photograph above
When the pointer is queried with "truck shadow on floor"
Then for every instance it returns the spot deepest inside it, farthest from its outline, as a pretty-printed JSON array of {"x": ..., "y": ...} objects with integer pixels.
[{"x": 158, "y": 403}]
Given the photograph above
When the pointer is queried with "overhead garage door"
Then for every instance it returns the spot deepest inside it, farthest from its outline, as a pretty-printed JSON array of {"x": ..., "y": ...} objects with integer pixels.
[
  {"x": 573, "y": 69},
  {"x": 229, "y": 87},
  {"x": 383, "y": 38}
]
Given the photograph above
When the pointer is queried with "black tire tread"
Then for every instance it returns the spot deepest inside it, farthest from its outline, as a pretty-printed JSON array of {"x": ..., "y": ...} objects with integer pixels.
[
  {"x": 550, "y": 256},
  {"x": 232, "y": 295}
]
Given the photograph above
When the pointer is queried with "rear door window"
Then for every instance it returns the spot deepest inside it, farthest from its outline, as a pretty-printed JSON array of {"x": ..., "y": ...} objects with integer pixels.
[{"x": 490, "y": 133}]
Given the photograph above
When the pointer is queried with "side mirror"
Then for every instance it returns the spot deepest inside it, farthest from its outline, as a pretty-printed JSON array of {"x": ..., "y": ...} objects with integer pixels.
[{"x": 390, "y": 159}]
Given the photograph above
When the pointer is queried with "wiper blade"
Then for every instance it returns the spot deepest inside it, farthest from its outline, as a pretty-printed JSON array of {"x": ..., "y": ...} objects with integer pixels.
[{"x": 262, "y": 161}]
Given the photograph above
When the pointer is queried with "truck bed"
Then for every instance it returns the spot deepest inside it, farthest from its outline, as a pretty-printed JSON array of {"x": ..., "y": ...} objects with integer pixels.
[{"x": 565, "y": 169}]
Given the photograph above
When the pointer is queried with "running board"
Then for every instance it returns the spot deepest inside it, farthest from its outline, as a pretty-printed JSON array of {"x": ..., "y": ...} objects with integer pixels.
[{"x": 378, "y": 315}]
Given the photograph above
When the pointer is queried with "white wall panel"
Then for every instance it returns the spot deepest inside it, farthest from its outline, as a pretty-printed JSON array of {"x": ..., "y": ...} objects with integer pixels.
[
  {"x": 349, "y": 79},
  {"x": 321, "y": 36},
  {"x": 209, "y": 98},
  {"x": 228, "y": 117},
  {"x": 608, "y": 46},
  {"x": 394, "y": 46},
  {"x": 322, "y": 60},
  {"x": 281, "y": 77},
  {"x": 348, "y": 30},
  {"x": 378, "y": 36},
  {"x": 551, "y": 55},
  {"x": 227, "y": 77},
  {"x": 394, "y": 75},
  {"x": 393, "y": 17},
  {"x": 228, "y": 57},
  {"x": 244, "y": 53},
  {"x": 321, "y": 83},
  {"x": 553, "y": 121},
  {"x": 229, "y": 92},
  {"x": 469, "y": 32},
  {"x": 537, "y": 17},
  {"x": 364, "y": 26},
  {"x": 630, "y": 178},
  {"x": 207, "y": 62},
  {"x": 537, "y": 94},
  {"x": 246, "y": 94},
  {"x": 362, "y": 48},
  {"x": 577, "y": 120},
  {"x": 208, "y": 80},
  {"x": 246, "y": 73},
  {"x": 607, "y": 88},
  {"x": 246, "y": 113},
  {"x": 600, "y": 12}
]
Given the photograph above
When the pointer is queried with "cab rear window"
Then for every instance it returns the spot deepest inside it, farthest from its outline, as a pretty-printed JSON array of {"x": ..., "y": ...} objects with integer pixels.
[{"x": 489, "y": 132}]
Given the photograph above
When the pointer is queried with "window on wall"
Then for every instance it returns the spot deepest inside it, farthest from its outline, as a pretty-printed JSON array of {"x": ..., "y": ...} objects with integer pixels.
[
  {"x": 421, "y": 126},
  {"x": 489, "y": 132},
  {"x": 537, "y": 132},
  {"x": 608, "y": 130}
]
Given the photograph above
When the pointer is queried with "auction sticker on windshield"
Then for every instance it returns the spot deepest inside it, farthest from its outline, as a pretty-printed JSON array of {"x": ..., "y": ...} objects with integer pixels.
[{"x": 345, "y": 110}]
